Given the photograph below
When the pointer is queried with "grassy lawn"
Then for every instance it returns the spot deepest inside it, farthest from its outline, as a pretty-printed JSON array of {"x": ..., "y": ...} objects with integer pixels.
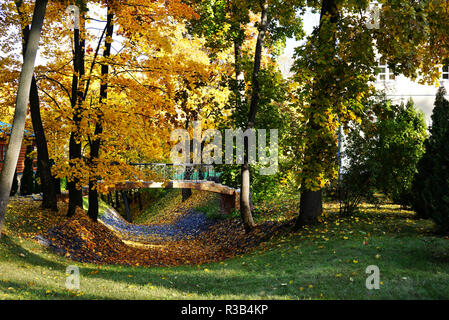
[{"x": 324, "y": 262}]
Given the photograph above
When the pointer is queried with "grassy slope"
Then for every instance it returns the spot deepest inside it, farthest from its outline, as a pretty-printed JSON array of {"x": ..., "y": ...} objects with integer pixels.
[
  {"x": 170, "y": 206},
  {"x": 325, "y": 262},
  {"x": 160, "y": 207}
]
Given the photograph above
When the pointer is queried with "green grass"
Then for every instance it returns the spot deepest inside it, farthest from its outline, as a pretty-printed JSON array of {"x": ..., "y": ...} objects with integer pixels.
[
  {"x": 211, "y": 207},
  {"x": 169, "y": 204},
  {"x": 167, "y": 201},
  {"x": 324, "y": 262}
]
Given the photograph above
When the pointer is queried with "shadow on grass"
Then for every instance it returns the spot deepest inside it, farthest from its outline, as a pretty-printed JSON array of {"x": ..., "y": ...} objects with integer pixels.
[
  {"x": 18, "y": 253},
  {"x": 242, "y": 277},
  {"x": 36, "y": 292}
]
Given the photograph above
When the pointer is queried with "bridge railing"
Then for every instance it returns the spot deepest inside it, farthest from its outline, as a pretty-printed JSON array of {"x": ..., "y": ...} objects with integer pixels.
[{"x": 169, "y": 171}]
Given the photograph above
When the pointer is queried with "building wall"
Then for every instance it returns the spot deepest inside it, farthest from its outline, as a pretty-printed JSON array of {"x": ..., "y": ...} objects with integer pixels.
[
  {"x": 21, "y": 161},
  {"x": 401, "y": 89}
]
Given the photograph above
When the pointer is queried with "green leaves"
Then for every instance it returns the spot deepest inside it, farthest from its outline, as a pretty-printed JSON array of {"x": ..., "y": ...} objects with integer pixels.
[{"x": 383, "y": 153}]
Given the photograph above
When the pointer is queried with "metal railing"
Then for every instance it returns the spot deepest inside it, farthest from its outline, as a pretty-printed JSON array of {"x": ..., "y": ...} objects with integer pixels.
[{"x": 169, "y": 171}]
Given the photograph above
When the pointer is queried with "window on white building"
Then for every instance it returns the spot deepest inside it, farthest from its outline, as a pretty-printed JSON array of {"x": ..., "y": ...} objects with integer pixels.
[
  {"x": 445, "y": 72},
  {"x": 385, "y": 73}
]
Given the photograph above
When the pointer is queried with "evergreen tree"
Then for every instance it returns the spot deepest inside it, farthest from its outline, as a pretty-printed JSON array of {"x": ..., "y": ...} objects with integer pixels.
[{"x": 431, "y": 183}]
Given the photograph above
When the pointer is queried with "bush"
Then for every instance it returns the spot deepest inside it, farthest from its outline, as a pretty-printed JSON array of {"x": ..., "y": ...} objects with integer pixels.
[
  {"x": 263, "y": 187},
  {"x": 354, "y": 186},
  {"x": 431, "y": 183},
  {"x": 382, "y": 154},
  {"x": 400, "y": 146},
  {"x": 356, "y": 181}
]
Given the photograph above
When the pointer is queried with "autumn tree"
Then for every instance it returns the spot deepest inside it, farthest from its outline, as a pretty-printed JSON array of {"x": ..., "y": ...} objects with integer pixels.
[
  {"x": 223, "y": 24},
  {"x": 95, "y": 141},
  {"x": 412, "y": 38},
  {"x": 47, "y": 181},
  {"x": 136, "y": 91},
  {"x": 23, "y": 92},
  {"x": 78, "y": 97},
  {"x": 317, "y": 133}
]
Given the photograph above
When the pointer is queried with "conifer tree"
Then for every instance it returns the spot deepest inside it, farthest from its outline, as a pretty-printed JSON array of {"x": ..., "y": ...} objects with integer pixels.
[{"x": 431, "y": 184}]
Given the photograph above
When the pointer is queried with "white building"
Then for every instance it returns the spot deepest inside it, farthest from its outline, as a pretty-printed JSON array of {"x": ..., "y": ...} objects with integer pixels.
[
  {"x": 400, "y": 89},
  {"x": 397, "y": 88}
]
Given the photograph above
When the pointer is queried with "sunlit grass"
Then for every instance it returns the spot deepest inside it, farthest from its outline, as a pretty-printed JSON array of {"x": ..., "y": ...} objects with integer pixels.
[{"x": 327, "y": 261}]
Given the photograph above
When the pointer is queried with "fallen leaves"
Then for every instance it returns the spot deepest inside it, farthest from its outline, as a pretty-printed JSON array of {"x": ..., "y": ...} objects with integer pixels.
[{"x": 86, "y": 241}]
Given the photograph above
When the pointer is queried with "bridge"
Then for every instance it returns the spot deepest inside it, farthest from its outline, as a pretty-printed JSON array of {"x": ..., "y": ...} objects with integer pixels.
[{"x": 181, "y": 176}]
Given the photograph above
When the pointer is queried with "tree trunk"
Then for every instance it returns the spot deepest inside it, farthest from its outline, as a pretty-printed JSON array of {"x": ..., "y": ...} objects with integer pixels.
[
  {"x": 186, "y": 193},
  {"x": 23, "y": 94},
  {"x": 27, "y": 181},
  {"x": 57, "y": 185},
  {"x": 139, "y": 198},
  {"x": 15, "y": 185},
  {"x": 49, "y": 200},
  {"x": 117, "y": 200},
  {"x": 311, "y": 205},
  {"x": 75, "y": 152},
  {"x": 245, "y": 204},
  {"x": 96, "y": 141},
  {"x": 239, "y": 76},
  {"x": 126, "y": 203}
]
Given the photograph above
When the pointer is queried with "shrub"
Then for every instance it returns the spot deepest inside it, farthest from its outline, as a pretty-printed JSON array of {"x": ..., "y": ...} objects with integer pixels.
[
  {"x": 357, "y": 179},
  {"x": 382, "y": 153},
  {"x": 401, "y": 135}
]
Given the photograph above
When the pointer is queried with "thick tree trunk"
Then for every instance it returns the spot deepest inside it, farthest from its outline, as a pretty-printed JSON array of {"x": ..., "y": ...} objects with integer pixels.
[
  {"x": 245, "y": 204},
  {"x": 311, "y": 205},
  {"x": 117, "y": 200},
  {"x": 57, "y": 185},
  {"x": 23, "y": 94}
]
